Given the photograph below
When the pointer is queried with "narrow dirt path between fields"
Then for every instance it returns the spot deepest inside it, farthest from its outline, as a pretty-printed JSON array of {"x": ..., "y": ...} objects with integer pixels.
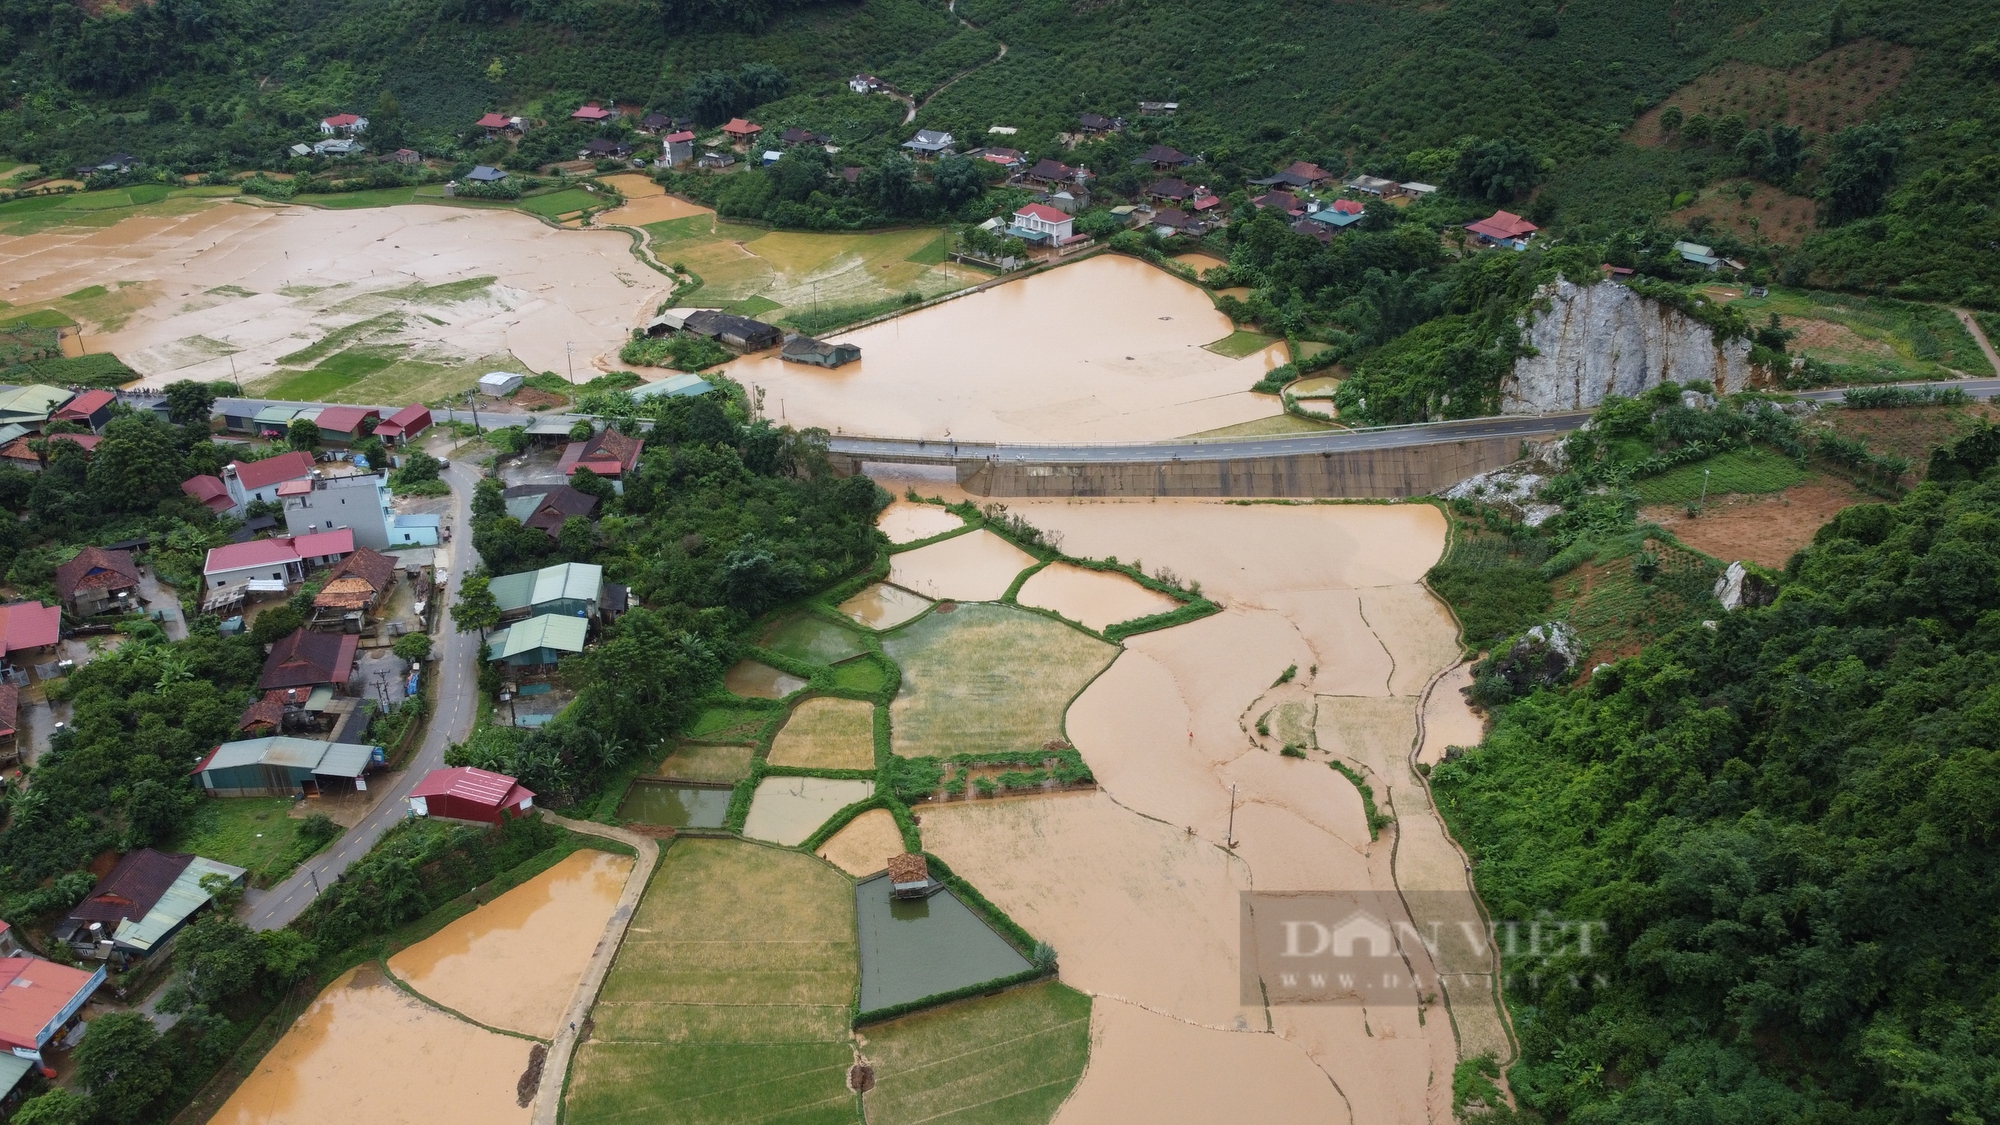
[{"x": 1972, "y": 325}]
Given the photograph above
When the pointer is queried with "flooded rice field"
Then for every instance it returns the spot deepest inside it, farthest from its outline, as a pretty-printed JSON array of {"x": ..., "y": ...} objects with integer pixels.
[
  {"x": 978, "y": 566},
  {"x": 675, "y": 806},
  {"x": 863, "y": 846},
  {"x": 786, "y": 810},
  {"x": 806, "y": 637},
  {"x": 1097, "y": 598},
  {"x": 257, "y": 282},
  {"x": 883, "y": 606},
  {"x": 514, "y": 962},
  {"x": 905, "y": 522},
  {"x": 755, "y": 680},
  {"x": 368, "y": 1051},
  {"x": 1115, "y": 354},
  {"x": 918, "y": 948},
  {"x": 1326, "y": 603}
]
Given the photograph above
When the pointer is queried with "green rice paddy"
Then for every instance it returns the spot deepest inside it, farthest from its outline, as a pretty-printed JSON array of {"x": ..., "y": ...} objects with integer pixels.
[
  {"x": 816, "y": 639},
  {"x": 1029, "y": 1043},
  {"x": 728, "y": 1002},
  {"x": 987, "y": 678}
]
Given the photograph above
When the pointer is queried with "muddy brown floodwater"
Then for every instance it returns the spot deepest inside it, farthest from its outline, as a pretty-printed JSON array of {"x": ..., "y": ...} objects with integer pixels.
[
  {"x": 978, "y": 566},
  {"x": 1106, "y": 349},
  {"x": 368, "y": 1051},
  {"x": 513, "y": 962},
  {"x": 904, "y": 522},
  {"x": 645, "y": 202},
  {"x": 883, "y": 606},
  {"x": 1134, "y": 885},
  {"x": 1095, "y": 597},
  {"x": 261, "y": 282}
]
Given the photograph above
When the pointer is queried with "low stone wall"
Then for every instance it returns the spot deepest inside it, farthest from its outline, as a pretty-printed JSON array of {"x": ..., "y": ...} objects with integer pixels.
[{"x": 1419, "y": 470}]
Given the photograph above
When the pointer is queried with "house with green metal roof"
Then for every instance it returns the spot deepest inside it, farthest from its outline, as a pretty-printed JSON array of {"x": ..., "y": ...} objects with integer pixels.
[
  {"x": 282, "y": 766},
  {"x": 538, "y": 642},
  {"x": 568, "y": 590},
  {"x": 31, "y": 405}
]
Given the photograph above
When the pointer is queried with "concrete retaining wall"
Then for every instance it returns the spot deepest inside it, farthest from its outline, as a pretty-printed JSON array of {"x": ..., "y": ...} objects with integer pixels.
[{"x": 1419, "y": 470}]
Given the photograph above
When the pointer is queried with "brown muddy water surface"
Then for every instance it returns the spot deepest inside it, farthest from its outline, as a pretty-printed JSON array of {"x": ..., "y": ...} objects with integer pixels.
[
  {"x": 904, "y": 522},
  {"x": 883, "y": 606},
  {"x": 1106, "y": 349},
  {"x": 513, "y": 962},
  {"x": 760, "y": 681},
  {"x": 366, "y": 1051},
  {"x": 975, "y": 567},
  {"x": 1096, "y": 598}
]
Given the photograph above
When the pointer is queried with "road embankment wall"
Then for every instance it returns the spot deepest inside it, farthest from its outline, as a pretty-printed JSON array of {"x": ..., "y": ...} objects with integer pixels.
[{"x": 1418, "y": 470}]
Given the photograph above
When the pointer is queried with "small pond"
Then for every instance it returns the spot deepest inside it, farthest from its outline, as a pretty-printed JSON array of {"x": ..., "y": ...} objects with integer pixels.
[
  {"x": 914, "y": 949},
  {"x": 753, "y": 680},
  {"x": 677, "y": 806},
  {"x": 806, "y": 637}
]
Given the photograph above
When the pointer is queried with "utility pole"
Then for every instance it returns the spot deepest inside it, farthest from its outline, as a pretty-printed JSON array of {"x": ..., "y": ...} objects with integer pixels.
[
  {"x": 1230, "y": 841},
  {"x": 570, "y": 357},
  {"x": 314, "y": 876},
  {"x": 1703, "y": 507},
  {"x": 232, "y": 375}
]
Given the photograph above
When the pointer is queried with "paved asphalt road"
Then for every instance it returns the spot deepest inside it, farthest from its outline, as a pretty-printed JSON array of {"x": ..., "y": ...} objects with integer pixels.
[
  {"x": 1186, "y": 449},
  {"x": 456, "y": 696}
]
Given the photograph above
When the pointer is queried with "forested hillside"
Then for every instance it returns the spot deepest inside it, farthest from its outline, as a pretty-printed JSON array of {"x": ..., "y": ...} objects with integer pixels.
[{"x": 1787, "y": 824}]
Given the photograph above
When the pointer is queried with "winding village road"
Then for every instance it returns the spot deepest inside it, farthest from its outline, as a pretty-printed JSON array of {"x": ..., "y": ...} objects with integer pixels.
[{"x": 451, "y": 721}]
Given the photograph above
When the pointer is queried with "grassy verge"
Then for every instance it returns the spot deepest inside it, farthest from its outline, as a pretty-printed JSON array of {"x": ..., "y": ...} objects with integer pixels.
[
  {"x": 1748, "y": 471},
  {"x": 257, "y": 834}
]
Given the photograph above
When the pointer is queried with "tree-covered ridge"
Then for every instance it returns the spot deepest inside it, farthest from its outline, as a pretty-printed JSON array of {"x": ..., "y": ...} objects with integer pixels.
[{"x": 1789, "y": 824}]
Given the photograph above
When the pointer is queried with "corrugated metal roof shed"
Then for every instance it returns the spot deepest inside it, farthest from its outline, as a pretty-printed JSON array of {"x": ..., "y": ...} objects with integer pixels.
[
  {"x": 281, "y": 750},
  {"x": 182, "y": 899},
  {"x": 578, "y": 581},
  {"x": 564, "y": 634}
]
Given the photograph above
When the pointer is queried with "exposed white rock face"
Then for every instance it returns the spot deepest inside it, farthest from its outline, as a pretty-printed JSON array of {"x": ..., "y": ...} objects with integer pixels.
[{"x": 1604, "y": 339}]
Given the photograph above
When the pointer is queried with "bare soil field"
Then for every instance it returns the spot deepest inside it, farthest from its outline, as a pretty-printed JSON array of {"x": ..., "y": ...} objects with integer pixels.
[
  {"x": 864, "y": 846},
  {"x": 1766, "y": 530}
]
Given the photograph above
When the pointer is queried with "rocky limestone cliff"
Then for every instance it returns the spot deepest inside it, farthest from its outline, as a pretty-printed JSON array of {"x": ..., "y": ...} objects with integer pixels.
[{"x": 1604, "y": 339}]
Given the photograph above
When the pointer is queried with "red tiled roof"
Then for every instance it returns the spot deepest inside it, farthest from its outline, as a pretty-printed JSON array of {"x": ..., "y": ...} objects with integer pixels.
[
  {"x": 340, "y": 119},
  {"x": 20, "y": 450},
  {"x": 591, "y": 112},
  {"x": 357, "y": 581},
  {"x": 84, "y": 405},
  {"x": 296, "y": 488},
  {"x": 679, "y": 138},
  {"x": 738, "y": 127},
  {"x": 33, "y": 993},
  {"x": 268, "y": 711},
  {"x": 1206, "y": 202},
  {"x": 909, "y": 867},
  {"x": 253, "y": 475},
  {"x": 339, "y": 541},
  {"x": 482, "y": 787},
  {"x": 1350, "y": 206},
  {"x": 26, "y": 625},
  {"x": 307, "y": 659},
  {"x": 494, "y": 121},
  {"x": 346, "y": 419},
  {"x": 95, "y": 568},
  {"x": 257, "y": 552},
  {"x": 210, "y": 491},
  {"x": 1503, "y": 225},
  {"x": 1309, "y": 171},
  {"x": 1043, "y": 212}
]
